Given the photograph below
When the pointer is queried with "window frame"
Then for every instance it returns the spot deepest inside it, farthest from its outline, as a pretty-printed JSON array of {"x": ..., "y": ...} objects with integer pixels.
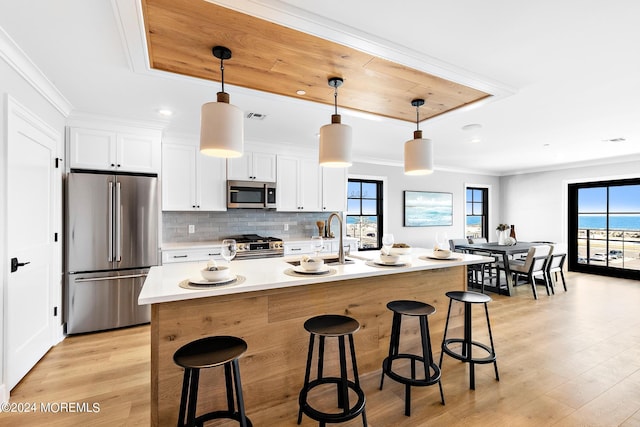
[
  {"x": 484, "y": 227},
  {"x": 379, "y": 206}
]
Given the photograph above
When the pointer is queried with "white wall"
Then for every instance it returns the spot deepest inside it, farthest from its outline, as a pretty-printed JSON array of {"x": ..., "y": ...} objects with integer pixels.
[
  {"x": 20, "y": 86},
  {"x": 439, "y": 181},
  {"x": 536, "y": 203}
]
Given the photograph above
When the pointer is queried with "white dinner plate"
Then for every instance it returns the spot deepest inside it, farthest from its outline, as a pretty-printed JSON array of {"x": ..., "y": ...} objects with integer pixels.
[
  {"x": 322, "y": 270},
  {"x": 389, "y": 264},
  {"x": 449, "y": 258},
  {"x": 201, "y": 281}
]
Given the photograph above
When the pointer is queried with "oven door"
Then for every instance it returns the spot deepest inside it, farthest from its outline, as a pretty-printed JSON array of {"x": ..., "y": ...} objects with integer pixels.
[{"x": 247, "y": 194}]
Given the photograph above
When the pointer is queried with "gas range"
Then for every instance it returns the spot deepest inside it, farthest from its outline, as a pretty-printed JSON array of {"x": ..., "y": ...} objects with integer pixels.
[{"x": 255, "y": 246}]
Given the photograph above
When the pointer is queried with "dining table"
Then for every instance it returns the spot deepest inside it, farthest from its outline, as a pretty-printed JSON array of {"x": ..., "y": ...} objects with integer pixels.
[{"x": 496, "y": 250}]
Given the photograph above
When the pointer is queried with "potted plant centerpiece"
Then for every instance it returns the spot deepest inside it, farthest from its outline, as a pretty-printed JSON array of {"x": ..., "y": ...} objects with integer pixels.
[{"x": 502, "y": 231}]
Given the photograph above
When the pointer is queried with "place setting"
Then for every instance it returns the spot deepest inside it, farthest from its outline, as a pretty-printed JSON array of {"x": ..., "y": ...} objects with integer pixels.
[
  {"x": 390, "y": 253},
  {"x": 312, "y": 266},
  {"x": 214, "y": 275},
  {"x": 440, "y": 250}
]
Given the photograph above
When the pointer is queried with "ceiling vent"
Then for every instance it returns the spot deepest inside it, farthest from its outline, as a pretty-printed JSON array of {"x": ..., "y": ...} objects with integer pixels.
[{"x": 255, "y": 116}]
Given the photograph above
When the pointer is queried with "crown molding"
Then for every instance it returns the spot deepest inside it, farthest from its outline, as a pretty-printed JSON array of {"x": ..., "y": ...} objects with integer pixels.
[{"x": 17, "y": 59}]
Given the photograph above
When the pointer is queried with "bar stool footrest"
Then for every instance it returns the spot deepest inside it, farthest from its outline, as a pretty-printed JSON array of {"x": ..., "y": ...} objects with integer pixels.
[
  {"x": 490, "y": 358},
  {"x": 220, "y": 415},
  {"x": 337, "y": 417},
  {"x": 387, "y": 365}
]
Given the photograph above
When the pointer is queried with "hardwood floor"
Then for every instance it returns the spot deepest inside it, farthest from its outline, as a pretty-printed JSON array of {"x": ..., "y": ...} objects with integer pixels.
[{"x": 572, "y": 359}]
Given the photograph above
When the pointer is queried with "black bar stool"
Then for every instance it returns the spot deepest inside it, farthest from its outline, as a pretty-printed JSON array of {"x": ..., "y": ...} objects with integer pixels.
[
  {"x": 332, "y": 325},
  {"x": 466, "y": 351},
  {"x": 207, "y": 353},
  {"x": 431, "y": 370}
]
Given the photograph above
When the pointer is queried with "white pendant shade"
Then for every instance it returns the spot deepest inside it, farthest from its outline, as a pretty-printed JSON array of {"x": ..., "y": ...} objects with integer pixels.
[
  {"x": 221, "y": 130},
  {"x": 335, "y": 145},
  {"x": 418, "y": 155}
]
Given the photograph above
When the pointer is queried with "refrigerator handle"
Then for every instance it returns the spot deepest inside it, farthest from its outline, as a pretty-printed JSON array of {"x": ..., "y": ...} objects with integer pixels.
[
  {"x": 110, "y": 221},
  {"x": 118, "y": 239},
  {"x": 100, "y": 279}
]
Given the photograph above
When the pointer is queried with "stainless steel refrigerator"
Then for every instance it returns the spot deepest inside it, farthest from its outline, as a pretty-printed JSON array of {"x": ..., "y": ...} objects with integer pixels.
[{"x": 111, "y": 241}]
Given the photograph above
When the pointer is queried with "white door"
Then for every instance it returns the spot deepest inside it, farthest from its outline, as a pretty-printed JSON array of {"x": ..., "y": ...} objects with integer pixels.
[{"x": 31, "y": 191}]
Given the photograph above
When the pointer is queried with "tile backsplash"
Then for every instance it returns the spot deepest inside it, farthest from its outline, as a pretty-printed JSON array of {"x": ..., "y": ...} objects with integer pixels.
[{"x": 218, "y": 225}]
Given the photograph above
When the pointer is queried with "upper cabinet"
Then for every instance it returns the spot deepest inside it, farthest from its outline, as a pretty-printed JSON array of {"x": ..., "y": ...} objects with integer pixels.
[
  {"x": 252, "y": 166},
  {"x": 334, "y": 189},
  {"x": 299, "y": 186},
  {"x": 115, "y": 150},
  {"x": 192, "y": 181}
]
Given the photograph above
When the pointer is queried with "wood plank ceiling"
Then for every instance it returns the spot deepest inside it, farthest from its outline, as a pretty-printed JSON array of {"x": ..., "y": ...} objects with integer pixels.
[{"x": 272, "y": 58}]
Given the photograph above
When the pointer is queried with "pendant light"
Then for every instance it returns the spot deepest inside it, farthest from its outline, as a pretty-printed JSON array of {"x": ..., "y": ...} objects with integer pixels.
[
  {"x": 335, "y": 138},
  {"x": 418, "y": 152},
  {"x": 221, "y": 124}
]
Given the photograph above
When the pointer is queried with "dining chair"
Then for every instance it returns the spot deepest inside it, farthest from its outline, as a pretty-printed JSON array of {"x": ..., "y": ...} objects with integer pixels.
[
  {"x": 534, "y": 266},
  {"x": 474, "y": 276},
  {"x": 555, "y": 265},
  {"x": 488, "y": 270}
]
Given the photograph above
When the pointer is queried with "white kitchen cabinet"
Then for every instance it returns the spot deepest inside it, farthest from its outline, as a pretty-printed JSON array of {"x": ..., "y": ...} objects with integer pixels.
[
  {"x": 192, "y": 181},
  {"x": 252, "y": 166},
  {"x": 298, "y": 185},
  {"x": 334, "y": 189},
  {"x": 170, "y": 256},
  {"x": 114, "y": 150}
]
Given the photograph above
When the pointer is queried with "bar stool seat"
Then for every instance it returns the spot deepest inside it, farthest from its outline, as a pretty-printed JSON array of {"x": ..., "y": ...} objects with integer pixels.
[
  {"x": 338, "y": 326},
  {"x": 205, "y": 353},
  {"x": 467, "y": 344},
  {"x": 429, "y": 368}
]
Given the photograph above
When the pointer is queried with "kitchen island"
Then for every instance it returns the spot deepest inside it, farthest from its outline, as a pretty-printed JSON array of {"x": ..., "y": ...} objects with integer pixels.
[{"x": 267, "y": 308}]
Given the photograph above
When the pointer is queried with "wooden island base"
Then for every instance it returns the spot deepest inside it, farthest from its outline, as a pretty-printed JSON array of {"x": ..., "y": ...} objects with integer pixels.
[{"x": 271, "y": 322}]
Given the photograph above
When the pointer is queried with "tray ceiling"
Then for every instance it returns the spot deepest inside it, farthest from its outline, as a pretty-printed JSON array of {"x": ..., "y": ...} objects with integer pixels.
[{"x": 272, "y": 58}]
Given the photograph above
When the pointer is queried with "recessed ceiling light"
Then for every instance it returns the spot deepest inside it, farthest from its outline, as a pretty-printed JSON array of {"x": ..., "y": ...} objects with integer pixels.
[
  {"x": 472, "y": 126},
  {"x": 164, "y": 112},
  {"x": 301, "y": 92},
  {"x": 614, "y": 140},
  {"x": 475, "y": 140}
]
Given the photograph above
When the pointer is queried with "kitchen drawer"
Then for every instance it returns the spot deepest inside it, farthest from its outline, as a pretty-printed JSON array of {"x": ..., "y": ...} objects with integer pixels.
[
  {"x": 298, "y": 248},
  {"x": 191, "y": 255}
]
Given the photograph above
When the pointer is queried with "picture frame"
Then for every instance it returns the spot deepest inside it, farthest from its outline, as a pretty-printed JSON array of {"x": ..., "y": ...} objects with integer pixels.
[{"x": 427, "y": 209}]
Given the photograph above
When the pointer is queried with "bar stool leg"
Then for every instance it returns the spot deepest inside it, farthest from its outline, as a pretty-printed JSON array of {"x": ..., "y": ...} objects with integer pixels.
[
  {"x": 229, "y": 384},
  {"x": 239, "y": 397},
  {"x": 493, "y": 350},
  {"x": 356, "y": 377},
  {"x": 193, "y": 397},
  {"x": 444, "y": 338},
  {"x": 183, "y": 397},
  {"x": 303, "y": 394},
  {"x": 343, "y": 391},
  {"x": 427, "y": 353},
  {"x": 394, "y": 342}
]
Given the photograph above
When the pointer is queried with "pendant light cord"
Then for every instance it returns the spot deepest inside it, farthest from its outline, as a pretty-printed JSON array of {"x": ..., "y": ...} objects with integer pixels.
[
  {"x": 335, "y": 98},
  {"x": 417, "y": 117},
  {"x": 222, "y": 72}
]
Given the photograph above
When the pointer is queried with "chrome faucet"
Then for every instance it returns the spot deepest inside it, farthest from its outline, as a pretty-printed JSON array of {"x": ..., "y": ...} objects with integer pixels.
[{"x": 341, "y": 249}]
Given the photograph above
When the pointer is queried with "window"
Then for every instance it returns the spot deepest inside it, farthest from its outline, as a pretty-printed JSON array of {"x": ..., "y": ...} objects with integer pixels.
[
  {"x": 364, "y": 212},
  {"x": 477, "y": 218},
  {"x": 604, "y": 228}
]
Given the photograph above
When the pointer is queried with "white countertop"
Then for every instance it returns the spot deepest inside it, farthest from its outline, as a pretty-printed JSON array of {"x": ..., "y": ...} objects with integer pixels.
[{"x": 162, "y": 282}]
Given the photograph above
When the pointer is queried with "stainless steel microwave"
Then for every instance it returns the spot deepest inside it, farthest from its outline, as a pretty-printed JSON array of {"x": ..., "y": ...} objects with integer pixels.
[{"x": 251, "y": 194}]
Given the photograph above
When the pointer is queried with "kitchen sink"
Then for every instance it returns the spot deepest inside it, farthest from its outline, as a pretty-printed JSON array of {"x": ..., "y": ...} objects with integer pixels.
[{"x": 327, "y": 261}]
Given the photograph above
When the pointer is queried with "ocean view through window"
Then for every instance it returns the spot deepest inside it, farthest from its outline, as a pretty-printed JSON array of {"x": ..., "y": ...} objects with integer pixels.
[
  {"x": 477, "y": 212},
  {"x": 605, "y": 227}
]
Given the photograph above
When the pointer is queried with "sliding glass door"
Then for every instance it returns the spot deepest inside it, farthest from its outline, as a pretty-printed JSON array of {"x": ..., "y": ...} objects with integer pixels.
[{"x": 604, "y": 228}]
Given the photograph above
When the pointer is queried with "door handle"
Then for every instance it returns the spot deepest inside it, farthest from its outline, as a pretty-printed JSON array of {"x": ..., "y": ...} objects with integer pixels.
[{"x": 15, "y": 264}]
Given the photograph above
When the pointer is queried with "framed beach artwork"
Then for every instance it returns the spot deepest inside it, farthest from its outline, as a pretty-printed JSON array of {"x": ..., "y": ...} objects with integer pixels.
[{"x": 427, "y": 209}]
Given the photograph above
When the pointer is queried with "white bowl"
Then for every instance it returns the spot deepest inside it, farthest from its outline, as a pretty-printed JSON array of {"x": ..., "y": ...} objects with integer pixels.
[
  {"x": 442, "y": 253},
  {"x": 400, "y": 251},
  {"x": 221, "y": 273},
  {"x": 312, "y": 264},
  {"x": 389, "y": 259}
]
